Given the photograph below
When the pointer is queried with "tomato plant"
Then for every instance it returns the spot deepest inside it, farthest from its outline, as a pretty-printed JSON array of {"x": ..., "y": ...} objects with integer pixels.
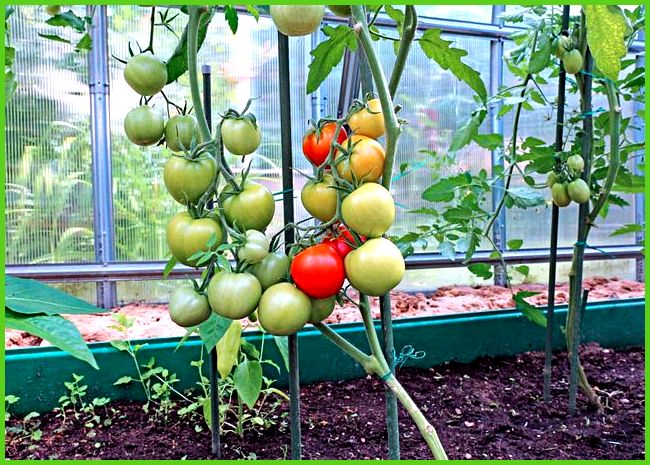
[
  {"x": 318, "y": 271},
  {"x": 283, "y": 309},
  {"x": 317, "y": 142},
  {"x": 144, "y": 125},
  {"x": 297, "y": 20},
  {"x": 188, "y": 308},
  {"x": 364, "y": 160},
  {"x": 187, "y": 180},
  {"x": 234, "y": 295}
]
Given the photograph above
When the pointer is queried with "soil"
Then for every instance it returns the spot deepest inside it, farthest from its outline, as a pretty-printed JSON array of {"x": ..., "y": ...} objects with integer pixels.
[
  {"x": 153, "y": 320},
  {"x": 490, "y": 409}
]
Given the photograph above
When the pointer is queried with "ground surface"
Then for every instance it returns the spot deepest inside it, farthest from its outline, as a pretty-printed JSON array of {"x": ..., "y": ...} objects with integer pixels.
[
  {"x": 153, "y": 320},
  {"x": 490, "y": 409}
]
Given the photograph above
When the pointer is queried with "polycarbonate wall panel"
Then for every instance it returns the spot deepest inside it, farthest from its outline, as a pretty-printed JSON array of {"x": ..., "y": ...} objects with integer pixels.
[
  {"x": 434, "y": 104},
  {"x": 533, "y": 225},
  {"x": 49, "y": 217},
  {"x": 469, "y": 13}
]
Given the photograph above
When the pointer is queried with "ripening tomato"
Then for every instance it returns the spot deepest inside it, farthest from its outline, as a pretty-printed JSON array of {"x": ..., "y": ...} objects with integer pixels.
[
  {"x": 234, "y": 295},
  {"x": 572, "y": 61},
  {"x": 146, "y": 74},
  {"x": 272, "y": 269},
  {"x": 368, "y": 121},
  {"x": 365, "y": 163},
  {"x": 255, "y": 247},
  {"x": 144, "y": 125},
  {"x": 187, "y": 180},
  {"x": 551, "y": 178},
  {"x": 576, "y": 163},
  {"x": 321, "y": 309},
  {"x": 369, "y": 210},
  {"x": 318, "y": 271},
  {"x": 376, "y": 267},
  {"x": 283, "y": 309},
  {"x": 560, "y": 194},
  {"x": 319, "y": 198},
  {"x": 188, "y": 308},
  {"x": 343, "y": 243},
  {"x": 241, "y": 135},
  {"x": 180, "y": 130},
  {"x": 252, "y": 208},
  {"x": 579, "y": 191},
  {"x": 297, "y": 20},
  {"x": 316, "y": 144},
  {"x": 186, "y": 236}
]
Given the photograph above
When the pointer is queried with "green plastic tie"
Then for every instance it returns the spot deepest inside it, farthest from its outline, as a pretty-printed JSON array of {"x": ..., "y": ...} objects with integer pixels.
[
  {"x": 587, "y": 246},
  {"x": 415, "y": 167},
  {"x": 407, "y": 353},
  {"x": 592, "y": 112}
]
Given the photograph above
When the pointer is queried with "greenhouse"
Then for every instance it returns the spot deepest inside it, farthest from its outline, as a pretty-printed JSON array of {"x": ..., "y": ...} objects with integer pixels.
[{"x": 333, "y": 232}]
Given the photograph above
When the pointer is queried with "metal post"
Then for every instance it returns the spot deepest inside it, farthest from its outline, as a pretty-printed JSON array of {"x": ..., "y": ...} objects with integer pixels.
[
  {"x": 215, "y": 431},
  {"x": 555, "y": 221},
  {"x": 639, "y": 199},
  {"x": 349, "y": 81},
  {"x": 287, "y": 188},
  {"x": 496, "y": 126},
  {"x": 100, "y": 142}
]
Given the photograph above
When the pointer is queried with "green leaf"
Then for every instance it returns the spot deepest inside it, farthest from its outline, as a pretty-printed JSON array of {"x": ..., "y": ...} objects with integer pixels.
[
  {"x": 55, "y": 329},
  {"x": 68, "y": 19},
  {"x": 531, "y": 312},
  {"x": 627, "y": 229},
  {"x": 123, "y": 380},
  {"x": 29, "y": 296},
  {"x": 449, "y": 58},
  {"x": 85, "y": 43},
  {"x": 468, "y": 132},
  {"x": 213, "y": 329},
  {"x": 231, "y": 17},
  {"x": 541, "y": 56},
  {"x": 120, "y": 345},
  {"x": 482, "y": 270},
  {"x": 525, "y": 197},
  {"x": 248, "y": 381},
  {"x": 177, "y": 62},
  {"x": 253, "y": 11},
  {"x": 606, "y": 31},
  {"x": 171, "y": 263},
  {"x": 447, "y": 250},
  {"x": 283, "y": 347},
  {"x": 522, "y": 269},
  {"x": 515, "y": 244},
  {"x": 489, "y": 141},
  {"x": 54, "y": 37},
  {"x": 329, "y": 53}
]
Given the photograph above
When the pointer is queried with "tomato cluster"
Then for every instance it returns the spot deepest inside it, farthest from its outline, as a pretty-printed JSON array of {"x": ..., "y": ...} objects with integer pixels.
[
  {"x": 564, "y": 48},
  {"x": 566, "y": 184}
]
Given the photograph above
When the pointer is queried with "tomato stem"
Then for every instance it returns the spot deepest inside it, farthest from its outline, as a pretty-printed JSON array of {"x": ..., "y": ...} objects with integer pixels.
[{"x": 365, "y": 360}]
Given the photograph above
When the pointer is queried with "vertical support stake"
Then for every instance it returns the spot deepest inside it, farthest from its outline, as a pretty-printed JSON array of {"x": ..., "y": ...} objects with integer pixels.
[
  {"x": 100, "y": 142},
  {"x": 287, "y": 187}
]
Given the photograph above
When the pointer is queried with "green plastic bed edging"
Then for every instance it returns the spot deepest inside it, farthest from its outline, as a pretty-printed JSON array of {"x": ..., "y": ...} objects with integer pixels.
[{"x": 36, "y": 375}]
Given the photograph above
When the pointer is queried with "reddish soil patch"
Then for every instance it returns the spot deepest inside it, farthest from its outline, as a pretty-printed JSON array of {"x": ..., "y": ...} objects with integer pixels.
[
  {"x": 490, "y": 409},
  {"x": 153, "y": 321}
]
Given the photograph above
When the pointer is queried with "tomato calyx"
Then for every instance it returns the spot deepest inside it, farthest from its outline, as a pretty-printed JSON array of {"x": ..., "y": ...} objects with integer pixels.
[{"x": 243, "y": 115}]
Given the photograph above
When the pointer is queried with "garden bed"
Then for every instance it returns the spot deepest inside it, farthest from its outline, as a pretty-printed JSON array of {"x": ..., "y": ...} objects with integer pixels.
[
  {"x": 152, "y": 321},
  {"x": 489, "y": 409}
]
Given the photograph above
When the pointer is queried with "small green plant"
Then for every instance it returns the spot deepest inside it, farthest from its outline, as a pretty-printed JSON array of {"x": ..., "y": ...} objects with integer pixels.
[
  {"x": 28, "y": 429},
  {"x": 73, "y": 403}
]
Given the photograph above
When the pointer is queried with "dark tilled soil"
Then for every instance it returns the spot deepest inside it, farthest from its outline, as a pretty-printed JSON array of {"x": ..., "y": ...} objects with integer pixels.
[{"x": 490, "y": 409}]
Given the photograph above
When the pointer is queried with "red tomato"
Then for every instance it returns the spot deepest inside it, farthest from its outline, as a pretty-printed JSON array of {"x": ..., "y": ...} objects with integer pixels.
[
  {"x": 318, "y": 271},
  {"x": 317, "y": 147},
  {"x": 343, "y": 243}
]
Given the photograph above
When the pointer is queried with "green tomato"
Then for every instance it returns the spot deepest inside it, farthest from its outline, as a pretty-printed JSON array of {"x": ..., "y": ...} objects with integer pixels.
[
  {"x": 576, "y": 163},
  {"x": 319, "y": 198},
  {"x": 146, "y": 74},
  {"x": 234, "y": 295},
  {"x": 321, "y": 309},
  {"x": 283, "y": 309},
  {"x": 572, "y": 61},
  {"x": 241, "y": 136},
  {"x": 187, "y": 180},
  {"x": 342, "y": 11},
  {"x": 375, "y": 267},
  {"x": 561, "y": 45},
  {"x": 53, "y": 10},
  {"x": 144, "y": 126},
  {"x": 252, "y": 208},
  {"x": 186, "y": 236},
  {"x": 188, "y": 308},
  {"x": 180, "y": 130},
  {"x": 560, "y": 194},
  {"x": 255, "y": 247},
  {"x": 369, "y": 210},
  {"x": 297, "y": 20},
  {"x": 551, "y": 178},
  {"x": 579, "y": 191},
  {"x": 272, "y": 269}
]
